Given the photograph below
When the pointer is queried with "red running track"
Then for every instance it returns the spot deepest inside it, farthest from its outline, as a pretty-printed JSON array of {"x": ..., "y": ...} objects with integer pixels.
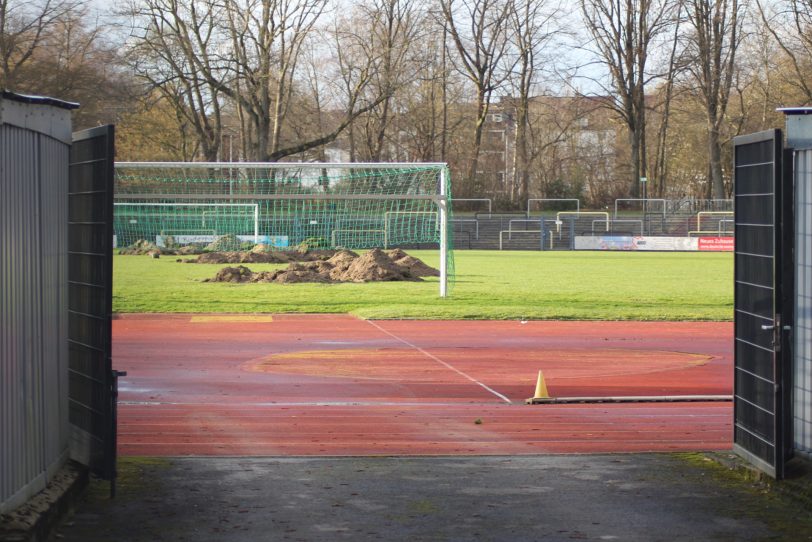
[{"x": 337, "y": 385}]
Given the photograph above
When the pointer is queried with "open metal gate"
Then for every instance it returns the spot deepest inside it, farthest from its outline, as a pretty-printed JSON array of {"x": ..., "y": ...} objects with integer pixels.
[
  {"x": 763, "y": 195},
  {"x": 92, "y": 381}
]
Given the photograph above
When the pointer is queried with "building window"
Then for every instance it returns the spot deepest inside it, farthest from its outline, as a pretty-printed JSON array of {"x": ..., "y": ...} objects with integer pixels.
[{"x": 496, "y": 117}]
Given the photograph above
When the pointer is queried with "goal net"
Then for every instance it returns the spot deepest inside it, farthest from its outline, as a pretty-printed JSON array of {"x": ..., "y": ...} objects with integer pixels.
[{"x": 287, "y": 205}]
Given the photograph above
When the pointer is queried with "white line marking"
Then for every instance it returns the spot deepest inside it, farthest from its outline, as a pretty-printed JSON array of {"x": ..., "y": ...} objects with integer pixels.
[{"x": 441, "y": 362}]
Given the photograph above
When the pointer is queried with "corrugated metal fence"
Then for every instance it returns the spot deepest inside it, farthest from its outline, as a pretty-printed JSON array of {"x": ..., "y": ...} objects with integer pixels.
[
  {"x": 802, "y": 393},
  {"x": 34, "y": 430}
]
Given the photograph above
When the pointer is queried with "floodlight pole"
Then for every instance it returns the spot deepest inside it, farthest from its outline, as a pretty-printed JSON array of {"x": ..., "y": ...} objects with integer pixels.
[{"x": 443, "y": 207}]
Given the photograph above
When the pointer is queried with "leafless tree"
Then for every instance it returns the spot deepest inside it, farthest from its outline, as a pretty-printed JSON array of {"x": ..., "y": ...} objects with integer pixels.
[
  {"x": 623, "y": 32},
  {"x": 790, "y": 23},
  {"x": 394, "y": 33},
  {"x": 713, "y": 41},
  {"x": 532, "y": 27},
  {"x": 660, "y": 178},
  {"x": 172, "y": 38},
  {"x": 264, "y": 39},
  {"x": 24, "y": 25},
  {"x": 479, "y": 31}
]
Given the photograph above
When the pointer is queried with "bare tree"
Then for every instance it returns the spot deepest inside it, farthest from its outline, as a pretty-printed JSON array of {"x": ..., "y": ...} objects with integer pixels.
[
  {"x": 660, "y": 179},
  {"x": 172, "y": 38},
  {"x": 623, "y": 32},
  {"x": 264, "y": 41},
  {"x": 790, "y": 23},
  {"x": 714, "y": 40},
  {"x": 532, "y": 29},
  {"x": 24, "y": 25},
  {"x": 479, "y": 32},
  {"x": 394, "y": 32}
]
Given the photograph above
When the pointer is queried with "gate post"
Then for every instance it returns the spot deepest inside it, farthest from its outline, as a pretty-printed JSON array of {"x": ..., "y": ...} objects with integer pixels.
[{"x": 798, "y": 274}]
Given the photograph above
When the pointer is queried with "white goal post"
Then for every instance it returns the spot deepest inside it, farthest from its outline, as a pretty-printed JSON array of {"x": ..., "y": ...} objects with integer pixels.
[{"x": 299, "y": 197}]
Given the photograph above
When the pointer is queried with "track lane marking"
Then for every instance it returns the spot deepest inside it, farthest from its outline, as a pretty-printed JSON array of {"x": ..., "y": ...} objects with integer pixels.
[{"x": 441, "y": 362}]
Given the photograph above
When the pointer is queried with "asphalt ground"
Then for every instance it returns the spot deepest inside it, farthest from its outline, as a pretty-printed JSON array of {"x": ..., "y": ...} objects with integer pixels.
[{"x": 628, "y": 497}]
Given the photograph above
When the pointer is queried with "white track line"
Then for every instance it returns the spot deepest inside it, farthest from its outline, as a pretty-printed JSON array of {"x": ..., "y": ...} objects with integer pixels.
[{"x": 441, "y": 362}]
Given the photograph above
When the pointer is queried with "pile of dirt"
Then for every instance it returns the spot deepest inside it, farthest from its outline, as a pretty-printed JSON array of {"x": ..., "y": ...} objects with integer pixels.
[
  {"x": 375, "y": 265},
  {"x": 262, "y": 255},
  {"x": 241, "y": 257},
  {"x": 142, "y": 247},
  {"x": 343, "y": 266},
  {"x": 232, "y": 274},
  {"x": 415, "y": 266},
  {"x": 224, "y": 243}
]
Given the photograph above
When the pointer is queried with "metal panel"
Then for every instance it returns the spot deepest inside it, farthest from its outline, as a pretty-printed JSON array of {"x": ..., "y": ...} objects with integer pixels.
[
  {"x": 90, "y": 277},
  {"x": 33, "y": 195},
  {"x": 759, "y": 391},
  {"x": 802, "y": 377}
]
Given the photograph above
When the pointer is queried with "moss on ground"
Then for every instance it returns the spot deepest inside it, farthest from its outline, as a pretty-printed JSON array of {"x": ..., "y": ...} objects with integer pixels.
[{"x": 783, "y": 505}]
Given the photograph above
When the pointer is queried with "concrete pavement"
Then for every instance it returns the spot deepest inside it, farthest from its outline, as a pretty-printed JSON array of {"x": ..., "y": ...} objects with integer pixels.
[{"x": 628, "y": 497}]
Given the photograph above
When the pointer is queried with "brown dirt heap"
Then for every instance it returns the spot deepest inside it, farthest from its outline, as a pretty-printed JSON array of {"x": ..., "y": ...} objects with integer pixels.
[
  {"x": 241, "y": 257},
  {"x": 141, "y": 247},
  {"x": 415, "y": 266},
  {"x": 342, "y": 266},
  {"x": 264, "y": 256}
]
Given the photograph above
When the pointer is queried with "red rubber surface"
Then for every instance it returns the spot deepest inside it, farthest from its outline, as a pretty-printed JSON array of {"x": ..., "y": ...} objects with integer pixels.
[{"x": 336, "y": 385}]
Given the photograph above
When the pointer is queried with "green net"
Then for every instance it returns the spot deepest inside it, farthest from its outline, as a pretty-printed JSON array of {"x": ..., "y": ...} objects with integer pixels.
[{"x": 285, "y": 206}]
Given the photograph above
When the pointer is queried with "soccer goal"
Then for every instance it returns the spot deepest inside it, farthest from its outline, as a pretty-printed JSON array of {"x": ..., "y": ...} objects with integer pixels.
[{"x": 288, "y": 205}]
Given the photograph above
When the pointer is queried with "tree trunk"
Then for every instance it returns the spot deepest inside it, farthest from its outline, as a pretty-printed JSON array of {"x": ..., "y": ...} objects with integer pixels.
[
  {"x": 521, "y": 170},
  {"x": 634, "y": 146},
  {"x": 482, "y": 113},
  {"x": 715, "y": 159}
]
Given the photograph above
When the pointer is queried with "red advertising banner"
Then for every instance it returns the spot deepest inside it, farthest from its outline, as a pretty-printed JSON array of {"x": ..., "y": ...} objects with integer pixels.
[{"x": 716, "y": 244}]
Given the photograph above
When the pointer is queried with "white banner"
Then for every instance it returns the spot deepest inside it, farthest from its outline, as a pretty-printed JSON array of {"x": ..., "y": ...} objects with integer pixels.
[
  {"x": 628, "y": 242},
  {"x": 279, "y": 241}
]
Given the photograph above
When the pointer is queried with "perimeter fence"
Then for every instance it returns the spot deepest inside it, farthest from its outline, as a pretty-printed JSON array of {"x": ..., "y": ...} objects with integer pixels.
[{"x": 565, "y": 224}]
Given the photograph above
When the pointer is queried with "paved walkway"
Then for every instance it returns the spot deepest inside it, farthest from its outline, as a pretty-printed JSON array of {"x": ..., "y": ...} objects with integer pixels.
[{"x": 645, "y": 497}]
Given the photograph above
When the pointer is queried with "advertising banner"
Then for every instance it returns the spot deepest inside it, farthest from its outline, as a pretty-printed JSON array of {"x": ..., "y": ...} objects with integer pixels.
[
  {"x": 716, "y": 244},
  {"x": 280, "y": 241},
  {"x": 665, "y": 244}
]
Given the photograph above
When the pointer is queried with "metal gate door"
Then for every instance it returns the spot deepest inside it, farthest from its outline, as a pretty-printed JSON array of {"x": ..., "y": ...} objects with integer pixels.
[
  {"x": 92, "y": 383},
  {"x": 760, "y": 390}
]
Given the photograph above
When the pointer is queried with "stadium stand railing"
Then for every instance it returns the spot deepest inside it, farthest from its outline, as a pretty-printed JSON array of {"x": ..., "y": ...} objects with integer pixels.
[{"x": 556, "y": 230}]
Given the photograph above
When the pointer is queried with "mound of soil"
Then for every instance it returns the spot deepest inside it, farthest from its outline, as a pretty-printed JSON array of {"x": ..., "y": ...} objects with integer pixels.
[
  {"x": 416, "y": 267},
  {"x": 263, "y": 256},
  {"x": 375, "y": 265},
  {"x": 232, "y": 274},
  {"x": 141, "y": 247},
  {"x": 224, "y": 243},
  {"x": 190, "y": 249},
  {"x": 240, "y": 257},
  {"x": 343, "y": 266}
]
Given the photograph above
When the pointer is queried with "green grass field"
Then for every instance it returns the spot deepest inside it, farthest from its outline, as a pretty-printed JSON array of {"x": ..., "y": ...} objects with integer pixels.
[{"x": 489, "y": 285}]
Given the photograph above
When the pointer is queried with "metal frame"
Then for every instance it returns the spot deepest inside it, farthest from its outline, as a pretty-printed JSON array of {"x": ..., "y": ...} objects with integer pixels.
[
  {"x": 622, "y": 221},
  {"x": 490, "y": 203},
  {"x": 590, "y": 213},
  {"x": 517, "y": 231},
  {"x": 576, "y": 200},
  {"x": 761, "y": 391},
  {"x": 441, "y": 199},
  {"x": 94, "y": 383},
  {"x": 644, "y": 200},
  {"x": 525, "y": 220},
  {"x": 255, "y": 206}
]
